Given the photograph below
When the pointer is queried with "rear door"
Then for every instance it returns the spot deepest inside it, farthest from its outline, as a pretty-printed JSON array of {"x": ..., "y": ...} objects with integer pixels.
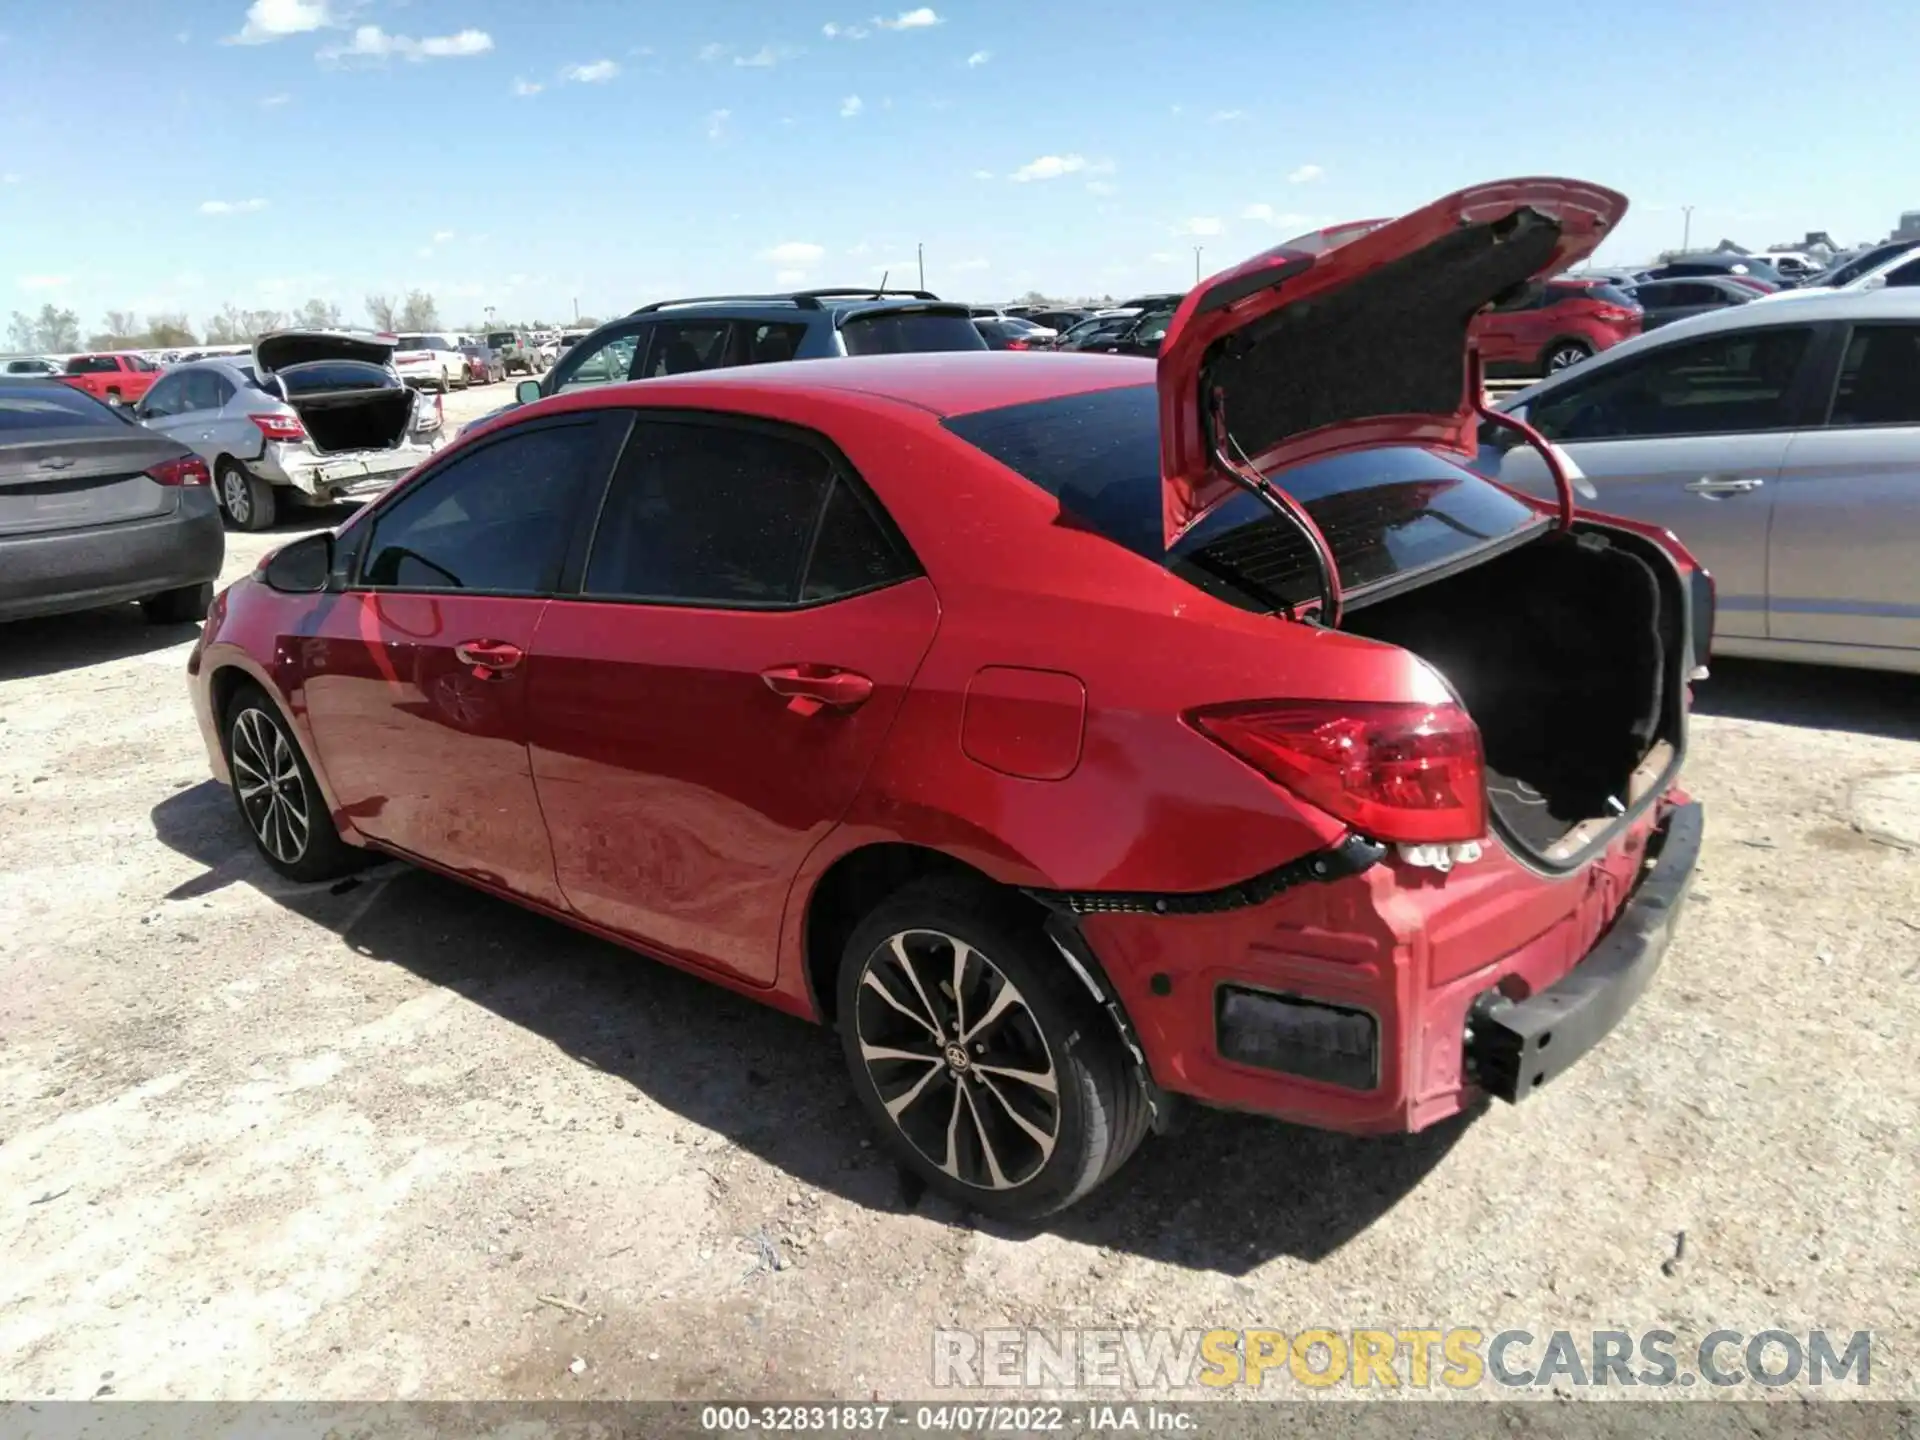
[
  {"x": 1844, "y": 553},
  {"x": 704, "y": 711},
  {"x": 1691, "y": 436},
  {"x": 415, "y": 680}
]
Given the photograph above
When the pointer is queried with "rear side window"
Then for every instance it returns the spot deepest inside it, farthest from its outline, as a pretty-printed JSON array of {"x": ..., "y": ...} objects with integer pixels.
[
  {"x": 852, "y": 551},
  {"x": 494, "y": 519},
  {"x": 770, "y": 344},
  {"x": 684, "y": 348},
  {"x": 1385, "y": 512},
  {"x": 708, "y": 514},
  {"x": 1607, "y": 295},
  {"x": 1879, "y": 380},
  {"x": 900, "y": 332},
  {"x": 49, "y": 405},
  {"x": 1722, "y": 385}
]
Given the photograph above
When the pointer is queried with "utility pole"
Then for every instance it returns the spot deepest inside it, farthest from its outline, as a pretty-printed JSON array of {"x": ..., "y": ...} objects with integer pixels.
[
  {"x": 1196, "y": 263},
  {"x": 576, "y": 309},
  {"x": 489, "y": 310},
  {"x": 1686, "y": 230},
  {"x": 920, "y": 254}
]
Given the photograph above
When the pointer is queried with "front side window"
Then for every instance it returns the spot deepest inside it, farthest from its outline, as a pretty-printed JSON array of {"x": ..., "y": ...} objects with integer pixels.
[
  {"x": 605, "y": 363},
  {"x": 709, "y": 514},
  {"x": 1879, "y": 380},
  {"x": 1722, "y": 385},
  {"x": 493, "y": 519}
]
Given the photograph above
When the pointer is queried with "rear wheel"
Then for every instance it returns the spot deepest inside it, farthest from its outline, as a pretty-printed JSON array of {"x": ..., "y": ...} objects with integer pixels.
[
  {"x": 113, "y": 399},
  {"x": 977, "y": 1053},
  {"x": 249, "y": 502},
  {"x": 185, "y": 606},
  {"x": 1562, "y": 354},
  {"x": 275, "y": 793}
]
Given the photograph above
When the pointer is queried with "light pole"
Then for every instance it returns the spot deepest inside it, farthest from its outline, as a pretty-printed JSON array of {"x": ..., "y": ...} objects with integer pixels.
[
  {"x": 920, "y": 254},
  {"x": 489, "y": 310},
  {"x": 1686, "y": 229},
  {"x": 1196, "y": 263}
]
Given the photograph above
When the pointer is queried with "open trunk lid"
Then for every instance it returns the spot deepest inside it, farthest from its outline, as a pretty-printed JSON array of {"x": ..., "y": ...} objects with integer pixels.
[
  {"x": 342, "y": 385},
  {"x": 281, "y": 348},
  {"x": 1354, "y": 337}
]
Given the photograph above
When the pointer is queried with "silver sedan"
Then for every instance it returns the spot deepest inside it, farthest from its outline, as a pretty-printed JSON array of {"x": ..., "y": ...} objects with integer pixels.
[{"x": 1781, "y": 443}]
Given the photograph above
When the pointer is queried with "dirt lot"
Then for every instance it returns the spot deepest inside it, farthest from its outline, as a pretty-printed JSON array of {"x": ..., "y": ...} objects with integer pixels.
[{"x": 396, "y": 1139}]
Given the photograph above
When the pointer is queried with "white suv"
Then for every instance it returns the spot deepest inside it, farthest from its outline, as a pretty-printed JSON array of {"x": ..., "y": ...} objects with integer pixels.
[{"x": 432, "y": 361}]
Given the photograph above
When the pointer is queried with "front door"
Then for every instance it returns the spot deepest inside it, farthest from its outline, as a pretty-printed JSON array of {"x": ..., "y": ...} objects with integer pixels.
[
  {"x": 415, "y": 680},
  {"x": 1691, "y": 436},
  {"x": 1846, "y": 521},
  {"x": 705, "y": 712}
]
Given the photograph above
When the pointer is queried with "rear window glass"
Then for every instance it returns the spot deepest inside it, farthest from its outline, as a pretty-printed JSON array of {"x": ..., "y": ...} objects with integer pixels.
[
  {"x": 910, "y": 331},
  {"x": 319, "y": 376},
  {"x": 411, "y": 342},
  {"x": 499, "y": 338},
  {"x": 51, "y": 406},
  {"x": 1385, "y": 512},
  {"x": 1603, "y": 294}
]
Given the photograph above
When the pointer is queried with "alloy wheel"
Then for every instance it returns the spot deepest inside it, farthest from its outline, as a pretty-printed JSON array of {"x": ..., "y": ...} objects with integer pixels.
[
  {"x": 233, "y": 490},
  {"x": 273, "y": 794},
  {"x": 1565, "y": 357},
  {"x": 958, "y": 1059}
]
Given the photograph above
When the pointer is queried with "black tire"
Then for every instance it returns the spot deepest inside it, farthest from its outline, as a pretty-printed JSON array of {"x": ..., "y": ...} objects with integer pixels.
[
  {"x": 113, "y": 399},
  {"x": 248, "y": 502},
  {"x": 247, "y": 732},
  {"x": 1564, "y": 355},
  {"x": 187, "y": 605},
  {"x": 1010, "y": 1148}
]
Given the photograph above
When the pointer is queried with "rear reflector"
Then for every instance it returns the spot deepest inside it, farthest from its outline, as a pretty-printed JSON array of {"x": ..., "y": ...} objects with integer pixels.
[
  {"x": 187, "y": 470},
  {"x": 1412, "y": 774},
  {"x": 279, "y": 427},
  {"x": 1330, "y": 1043}
]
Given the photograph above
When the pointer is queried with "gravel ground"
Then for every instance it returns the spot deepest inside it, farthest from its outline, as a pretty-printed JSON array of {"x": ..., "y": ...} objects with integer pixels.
[{"x": 395, "y": 1139}]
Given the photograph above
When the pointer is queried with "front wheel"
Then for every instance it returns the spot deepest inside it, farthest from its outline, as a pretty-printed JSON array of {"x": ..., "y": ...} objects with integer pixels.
[
  {"x": 979, "y": 1055},
  {"x": 1564, "y": 354},
  {"x": 275, "y": 793}
]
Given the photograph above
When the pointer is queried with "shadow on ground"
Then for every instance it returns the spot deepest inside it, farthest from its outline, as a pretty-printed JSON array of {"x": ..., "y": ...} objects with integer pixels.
[
  {"x": 52, "y": 643},
  {"x": 1817, "y": 697},
  {"x": 1228, "y": 1194}
]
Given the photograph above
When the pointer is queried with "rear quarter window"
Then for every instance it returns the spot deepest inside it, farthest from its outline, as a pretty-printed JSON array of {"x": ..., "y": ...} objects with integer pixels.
[{"x": 898, "y": 332}]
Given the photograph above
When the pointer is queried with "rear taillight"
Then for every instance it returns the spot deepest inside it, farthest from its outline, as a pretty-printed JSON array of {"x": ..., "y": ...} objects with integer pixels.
[
  {"x": 1409, "y": 774},
  {"x": 1018, "y": 345},
  {"x": 1615, "y": 314},
  {"x": 279, "y": 427},
  {"x": 187, "y": 470}
]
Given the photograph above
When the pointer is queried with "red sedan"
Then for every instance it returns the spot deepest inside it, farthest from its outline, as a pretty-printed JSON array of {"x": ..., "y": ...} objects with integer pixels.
[{"x": 1079, "y": 735}]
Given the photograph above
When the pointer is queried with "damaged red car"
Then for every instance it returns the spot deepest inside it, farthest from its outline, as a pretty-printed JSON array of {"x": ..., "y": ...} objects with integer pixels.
[{"x": 1080, "y": 736}]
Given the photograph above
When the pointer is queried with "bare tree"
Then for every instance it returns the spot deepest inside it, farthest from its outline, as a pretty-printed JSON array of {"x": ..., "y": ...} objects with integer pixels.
[
  {"x": 122, "y": 330},
  {"x": 169, "y": 330},
  {"x": 234, "y": 326},
  {"x": 380, "y": 309},
  {"x": 419, "y": 313},
  {"x": 318, "y": 315},
  {"x": 20, "y": 332},
  {"x": 57, "y": 331}
]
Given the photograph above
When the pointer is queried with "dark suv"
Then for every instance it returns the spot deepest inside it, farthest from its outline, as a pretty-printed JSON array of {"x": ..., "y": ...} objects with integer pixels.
[{"x": 672, "y": 337}]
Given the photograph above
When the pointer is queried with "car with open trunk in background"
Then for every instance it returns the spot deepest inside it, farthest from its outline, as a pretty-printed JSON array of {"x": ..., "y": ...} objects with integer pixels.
[{"x": 1081, "y": 736}]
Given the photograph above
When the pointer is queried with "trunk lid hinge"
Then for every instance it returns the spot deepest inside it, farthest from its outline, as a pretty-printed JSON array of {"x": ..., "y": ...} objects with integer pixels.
[{"x": 1566, "y": 475}]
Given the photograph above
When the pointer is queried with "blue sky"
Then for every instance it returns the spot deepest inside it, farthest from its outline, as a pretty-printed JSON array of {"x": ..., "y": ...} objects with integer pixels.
[{"x": 178, "y": 154}]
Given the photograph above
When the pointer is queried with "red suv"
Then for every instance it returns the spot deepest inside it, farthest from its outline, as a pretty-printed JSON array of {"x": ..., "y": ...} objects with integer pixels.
[
  {"x": 1549, "y": 327},
  {"x": 1077, "y": 734}
]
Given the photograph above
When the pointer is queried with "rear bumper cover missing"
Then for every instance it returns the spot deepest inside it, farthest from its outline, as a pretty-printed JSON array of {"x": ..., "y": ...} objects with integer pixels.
[{"x": 1514, "y": 1048}]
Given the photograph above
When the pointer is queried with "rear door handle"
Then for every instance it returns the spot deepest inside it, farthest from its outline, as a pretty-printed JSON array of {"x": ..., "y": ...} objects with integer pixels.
[
  {"x": 1725, "y": 484},
  {"x": 489, "y": 659},
  {"x": 811, "y": 688}
]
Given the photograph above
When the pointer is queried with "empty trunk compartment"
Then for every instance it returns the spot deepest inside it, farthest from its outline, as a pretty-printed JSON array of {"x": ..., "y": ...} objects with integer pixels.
[
  {"x": 348, "y": 405},
  {"x": 1567, "y": 652}
]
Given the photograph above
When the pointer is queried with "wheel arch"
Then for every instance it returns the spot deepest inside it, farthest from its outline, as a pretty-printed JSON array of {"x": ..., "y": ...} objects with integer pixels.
[{"x": 231, "y": 673}]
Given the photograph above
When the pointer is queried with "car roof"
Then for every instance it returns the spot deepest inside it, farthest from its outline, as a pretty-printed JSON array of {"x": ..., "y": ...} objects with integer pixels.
[{"x": 941, "y": 382}]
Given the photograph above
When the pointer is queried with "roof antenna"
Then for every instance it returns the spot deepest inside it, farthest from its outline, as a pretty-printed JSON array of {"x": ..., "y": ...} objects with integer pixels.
[{"x": 883, "y": 284}]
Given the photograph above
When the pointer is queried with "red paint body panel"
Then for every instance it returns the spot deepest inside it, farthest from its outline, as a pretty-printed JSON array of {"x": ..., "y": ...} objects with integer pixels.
[
  {"x": 1521, "y": 338},
  {"x": 125, "y": 380},
  {"x": 638, "y": 778}
]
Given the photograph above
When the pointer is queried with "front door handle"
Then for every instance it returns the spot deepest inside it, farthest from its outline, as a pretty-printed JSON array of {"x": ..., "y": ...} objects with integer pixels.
[
  {"x": 811, "y": 688},
  {"x": 489, "y": 659},
  {"x": 1724, "y": 484}
]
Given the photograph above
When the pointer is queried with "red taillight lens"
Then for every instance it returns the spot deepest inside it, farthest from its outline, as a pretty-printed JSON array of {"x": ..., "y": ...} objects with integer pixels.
[
  {"x": 279, "y": 427},
  {"x": 1615, "y": 314},
  {"x": 1017, "y": 345},
  {"x": 1412, "y": 774},
  {"x": 188, "y": 470}
]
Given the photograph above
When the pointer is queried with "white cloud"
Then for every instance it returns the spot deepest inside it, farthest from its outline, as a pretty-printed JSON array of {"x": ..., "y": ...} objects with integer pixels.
[
  {"x": 919, "y": 19},
  {"x": 861, "y": 249},
  {"x": 1304, "y": 174},
  {"x": 1286, "y": 220},
  {"x": 850, "y": 107},
  {"x": 276, "y": 19},
  {"x": 597, "y": 72},
  {"x": 230, "y": 207},
  {"x": 789, "y": 277},
  {"x": 1163, "y": 257},
  {"x": 1049, "y": 167},
  {"x": 713, "y": 51},
  {"x": 440, "y": 237},
  {"x": 983, "y": 174},
  {"x": 43, "y": 282},
  {"x": 526, "y": 88},
  {"x": 370, "y": 42},
  {"x": 978, "y": 58},
  {"x": 974, "y": 264},
  {"x": 765, "y": 58},
  {"x": 717, "y": 123},
  {"x": 274, "y": 102},
  {"x": 796, "y": 253},
  {"x": 641, "y": 50},
  {"x": 1221, "y": 117},
  {"x": 12, "y": 177},
  {"x": 425, "y": 252},
  {"x": 1101, "y": 187},
  {"x": 843, "y": 32},
  {"x": 1199, "y": 225}
]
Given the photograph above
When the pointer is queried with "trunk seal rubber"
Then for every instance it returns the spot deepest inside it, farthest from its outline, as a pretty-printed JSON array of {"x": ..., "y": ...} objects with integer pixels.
[{"x": 1351, "y": 856}]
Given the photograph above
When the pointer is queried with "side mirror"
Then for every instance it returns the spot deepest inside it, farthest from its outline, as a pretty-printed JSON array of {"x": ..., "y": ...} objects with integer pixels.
[
  {"x": 528, "y": 391},
  {"x": 301, "y": 568}
]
